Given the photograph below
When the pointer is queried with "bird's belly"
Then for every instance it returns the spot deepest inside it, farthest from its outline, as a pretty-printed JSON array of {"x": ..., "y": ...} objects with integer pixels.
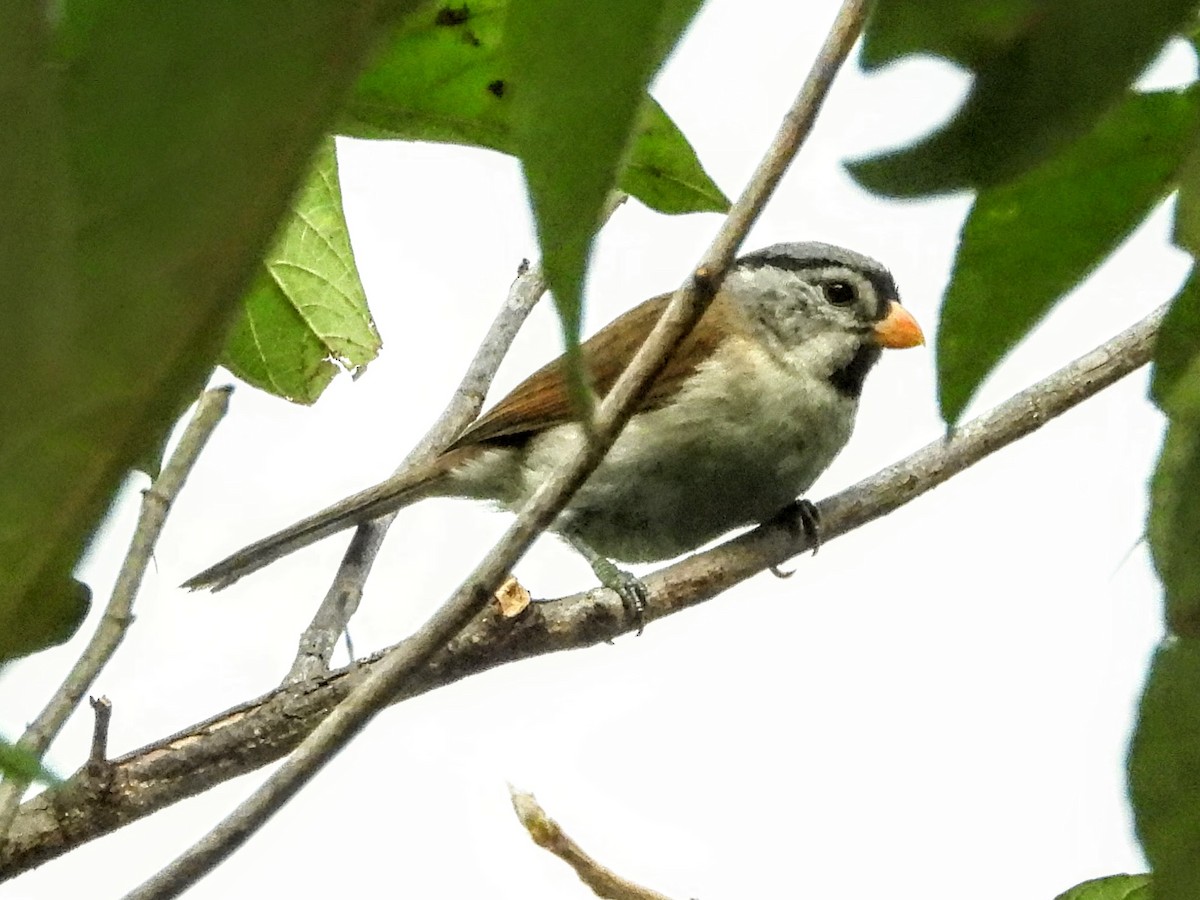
[
  {"x": 681, "y": 476},
  {"x": 636, "y": 509}
]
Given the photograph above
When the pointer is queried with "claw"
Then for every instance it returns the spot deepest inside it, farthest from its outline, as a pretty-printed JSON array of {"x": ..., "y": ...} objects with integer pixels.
[
  {"x": 632, "y": 591},
  {"x": 799, "y": 515},
  {"x": 634, "y": 596},
  {"x": 810, "y": 522}
]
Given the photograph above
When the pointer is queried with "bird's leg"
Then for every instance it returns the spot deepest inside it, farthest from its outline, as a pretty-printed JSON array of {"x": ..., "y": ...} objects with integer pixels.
[
  {"x": 810, "y": 522},
  {"x": 627, "y": 586},
  {"x": 805, "y": 514}
]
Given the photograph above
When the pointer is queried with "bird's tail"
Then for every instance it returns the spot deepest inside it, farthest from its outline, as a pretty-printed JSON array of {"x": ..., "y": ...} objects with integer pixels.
[{"x": 372, "y": 503}]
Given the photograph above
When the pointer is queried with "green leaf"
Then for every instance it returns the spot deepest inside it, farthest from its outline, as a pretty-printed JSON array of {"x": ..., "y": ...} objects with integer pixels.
[
  {"x": 1175, "y": 386},
  {"x": 1174, "y": 515},
  {"x": 1174, "y": 519},
  {"x": 1026, "y": 243},
  {"x": 1164, "y": 769},
  {"x": 962, "y": 32},
  {"x": 1187, "y": 209},
  {"x": 1191, "y": 30},
  {"x": 663, "y": 170},
  {"x": 155, "y": 155},
  {"x": 38, "y": 602},
  {"x": 58, "y": 608},
  {"x": 306, "y": 314},
  {"x": 1177, "y": 351},
  {"x": 579, "y": 74},
  {"x": 438, "y": 77},
  {"x": 20, "y": 765},
  {"x": 37, "y": 202},
  {"x": 1044, "y": 73},
  {"x": 1112, "y": 887},
  {"x": 444, "y": 76}
]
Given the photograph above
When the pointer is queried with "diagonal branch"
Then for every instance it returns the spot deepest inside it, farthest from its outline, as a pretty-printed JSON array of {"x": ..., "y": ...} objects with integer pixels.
[{"x": 263, "y": 730}]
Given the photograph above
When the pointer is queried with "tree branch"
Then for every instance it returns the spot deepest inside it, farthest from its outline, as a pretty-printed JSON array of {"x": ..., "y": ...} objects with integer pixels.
[
  {"x": 118, "y": 615},
  {"x": 265, "y": 729}
]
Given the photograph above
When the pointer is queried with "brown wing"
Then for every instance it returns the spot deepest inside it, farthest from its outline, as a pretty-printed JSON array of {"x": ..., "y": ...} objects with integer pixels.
[{"x": 541, "y": 402}]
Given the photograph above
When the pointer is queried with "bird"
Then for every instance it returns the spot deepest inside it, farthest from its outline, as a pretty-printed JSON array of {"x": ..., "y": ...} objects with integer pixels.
[{"x": 749, "y": 409}]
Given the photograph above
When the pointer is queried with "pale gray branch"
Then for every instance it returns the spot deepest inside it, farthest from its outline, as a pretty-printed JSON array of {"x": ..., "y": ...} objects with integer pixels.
[
  {"x": 383, "y": 682},
  {"x": 118, "y": 614},
  {"x": 261, "y": 731}
]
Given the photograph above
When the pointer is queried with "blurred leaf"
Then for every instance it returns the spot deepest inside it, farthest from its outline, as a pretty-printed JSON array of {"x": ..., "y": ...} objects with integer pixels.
[
  {"x": 1187, "y": 210},
  {"x": 1113, "y": 887},
  {"x": 37, "y": 276},
  {"x": 155, "y": 154},
  {"x": 37, "y": 203},
  {"x": 443, "y": 76},
  {"x": 1191, "y": 30},
  {"x": 20, "y": 765},
  {"x": 1026, "y": 243},
  {"x": 1164, "y": 770},
  {"x": 1044, "y": 73},
  {"x": 676, "y": 16},
  {"x": 57, "y": 609},
  {"x": 580, "y": 72},
  {"x": 1174, "y": 519},
  {"x": 1177, "y": 349},
  {"x": 965, "y": 32},
  {"x": 1175, "y": 386},
  {"x": 305, "y": 317}
]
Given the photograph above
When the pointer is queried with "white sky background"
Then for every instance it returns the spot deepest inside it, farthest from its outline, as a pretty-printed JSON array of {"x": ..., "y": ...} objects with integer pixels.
[{"x": 937, "y": 705}]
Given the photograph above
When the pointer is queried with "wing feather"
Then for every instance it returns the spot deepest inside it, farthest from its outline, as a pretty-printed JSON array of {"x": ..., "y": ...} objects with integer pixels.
[{"x": 541, "y": 402}]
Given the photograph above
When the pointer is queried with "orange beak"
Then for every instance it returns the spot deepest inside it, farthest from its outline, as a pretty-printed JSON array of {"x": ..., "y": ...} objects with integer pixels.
[{"x": 898, "y": 329}]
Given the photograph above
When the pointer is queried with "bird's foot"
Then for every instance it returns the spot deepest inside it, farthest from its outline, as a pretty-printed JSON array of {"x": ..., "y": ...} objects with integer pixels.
[
  {"x": 803, "y": 516},
  {"x": 810, "y": 522},
  {"x": 631, "y": 589}
]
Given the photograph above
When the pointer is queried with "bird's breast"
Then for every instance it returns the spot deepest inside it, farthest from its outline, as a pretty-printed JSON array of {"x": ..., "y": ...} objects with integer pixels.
[{"x": 744, "y": 436}]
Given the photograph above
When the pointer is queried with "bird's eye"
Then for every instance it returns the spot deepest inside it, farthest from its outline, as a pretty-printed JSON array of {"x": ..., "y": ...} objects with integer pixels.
[{"x": 839, "y": 292}]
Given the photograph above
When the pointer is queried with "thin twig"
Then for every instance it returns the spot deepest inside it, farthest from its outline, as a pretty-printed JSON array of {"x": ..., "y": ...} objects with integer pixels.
[
  {"x": 102, "y": 710},
  {"x": 548, "y": 834},
  {"x": 261, "y": 731},
  {"x": 684, "y": 310},
  {"x": 342, "y": 599},
  {"x": 118, "y": 615}
]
